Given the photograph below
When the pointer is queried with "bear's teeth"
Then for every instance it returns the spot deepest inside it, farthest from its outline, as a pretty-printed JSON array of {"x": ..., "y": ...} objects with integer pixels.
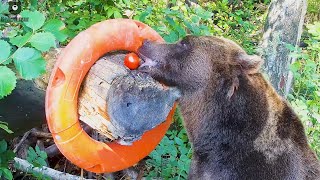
[{"x": 148, "y": 62}]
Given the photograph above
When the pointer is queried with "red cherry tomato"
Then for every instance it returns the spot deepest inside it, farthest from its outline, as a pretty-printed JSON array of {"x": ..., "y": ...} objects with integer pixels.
[{"x": 132, "y": 61}]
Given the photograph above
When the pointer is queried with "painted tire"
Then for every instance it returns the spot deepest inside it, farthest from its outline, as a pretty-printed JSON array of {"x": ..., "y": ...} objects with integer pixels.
[{"x": 62, "y": 97}]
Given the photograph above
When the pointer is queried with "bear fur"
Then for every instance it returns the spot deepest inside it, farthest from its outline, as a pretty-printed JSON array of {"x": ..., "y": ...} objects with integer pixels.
[{"x": 239, "y": 127}]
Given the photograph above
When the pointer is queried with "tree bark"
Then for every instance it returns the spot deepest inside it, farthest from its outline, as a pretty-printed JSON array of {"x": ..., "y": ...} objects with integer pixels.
[{"x": 284, "y": 25}]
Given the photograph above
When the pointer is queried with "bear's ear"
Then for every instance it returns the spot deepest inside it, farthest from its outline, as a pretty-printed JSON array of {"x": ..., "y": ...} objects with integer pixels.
[{"x": 250, "y": 63}]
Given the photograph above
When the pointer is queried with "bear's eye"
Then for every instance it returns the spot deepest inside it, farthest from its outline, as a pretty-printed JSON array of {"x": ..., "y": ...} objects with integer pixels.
[{"x": 184, "y": 44}]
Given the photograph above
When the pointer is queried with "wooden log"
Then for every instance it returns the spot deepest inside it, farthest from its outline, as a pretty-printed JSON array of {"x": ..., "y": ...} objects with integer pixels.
[{"x": 93, "y": 94}]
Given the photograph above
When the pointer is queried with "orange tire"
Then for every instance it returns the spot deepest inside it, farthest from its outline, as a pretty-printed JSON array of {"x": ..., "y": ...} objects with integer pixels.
[{"x": 62, "y": 97}]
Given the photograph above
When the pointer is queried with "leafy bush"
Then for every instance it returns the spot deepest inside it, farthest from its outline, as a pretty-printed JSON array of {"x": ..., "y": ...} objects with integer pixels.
[
  {"x": 172, "y": 20},
  {"x": 5, "y": 157},
  {"x": 171, "y": 159},
  {"x": 313, "y": 6},
  {"x": 305, "y": 97},
  {"x": 79, "y": 15},
  {"x": 23, "y": 39},
  {"x": 37, "y": 157},
  {"x": 176, "y": 22},
  {"x": 240, "y": 22}
]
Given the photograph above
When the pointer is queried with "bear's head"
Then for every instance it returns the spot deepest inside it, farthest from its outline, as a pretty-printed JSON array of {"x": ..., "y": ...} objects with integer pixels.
[{"x": 197, "y": 62}]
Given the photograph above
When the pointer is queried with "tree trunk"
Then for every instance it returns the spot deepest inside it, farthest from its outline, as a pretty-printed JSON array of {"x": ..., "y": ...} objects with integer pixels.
[{"x": 284, "y": 25}]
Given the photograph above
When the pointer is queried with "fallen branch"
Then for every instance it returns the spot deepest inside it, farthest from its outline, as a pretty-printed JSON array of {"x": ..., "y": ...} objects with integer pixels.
[
  {"x": 25, "y": 166},
  {"x": 41, "y": 134},
  {"x": 25, "y": 136}
]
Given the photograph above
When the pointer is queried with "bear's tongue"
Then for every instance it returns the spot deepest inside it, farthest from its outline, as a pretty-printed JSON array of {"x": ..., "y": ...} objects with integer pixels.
[{"x": 147, "y": 61}]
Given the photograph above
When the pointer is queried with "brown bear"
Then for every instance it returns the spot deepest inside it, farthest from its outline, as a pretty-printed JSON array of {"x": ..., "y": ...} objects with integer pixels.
[{"x": 239, "y": 127}]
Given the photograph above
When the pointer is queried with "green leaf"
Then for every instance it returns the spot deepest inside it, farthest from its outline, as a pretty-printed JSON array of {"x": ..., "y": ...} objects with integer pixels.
[
  {"x": 314, "y": 29},
  {"x": 143, "y": 16},
  {"x": 290, "y": 47},
  {"x": 170, "y": 21},
  {"x": 36, "y": 157},
  {"x": 55, "y": 26},
  {"x": 32, "y": 155},
  {"x": 4, "y": 126},
  {"x": 9, "y": 155},
  {"x": 5, "y": 157},
  {"x": 126, "y": 2},
  {"x": 34, "y": 4},
  {"x": 7, "y": 173},
  {"x": 178, "y": 141},
  {"x": 171, "y": 37},
  {"x": 43, "y": 155},
  {"x": 3, "y": 146},
  {"x": 35, "y": 19},
  {"x": 316, "y": 116},
  {"x": 110, "y": 12},
  {"x": 43, "y": 41},
  {"x": 5, "y": 51},
  {"x": 187, "y": 24},
  {"x": 195, "y": 19},
  {"x": 117, "y": 14},
  {"x": 21, "y": 40},
  {"x": 12, "y": 33},
  {"x": 4, "y": 8},
  {"x": 37, "y": 149},
  {"x": 182, "y": 32},
  {"x": 8, "y": 81},
  {"x": 41, "y": 162},
  {"x": 29, "y": 63}
]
